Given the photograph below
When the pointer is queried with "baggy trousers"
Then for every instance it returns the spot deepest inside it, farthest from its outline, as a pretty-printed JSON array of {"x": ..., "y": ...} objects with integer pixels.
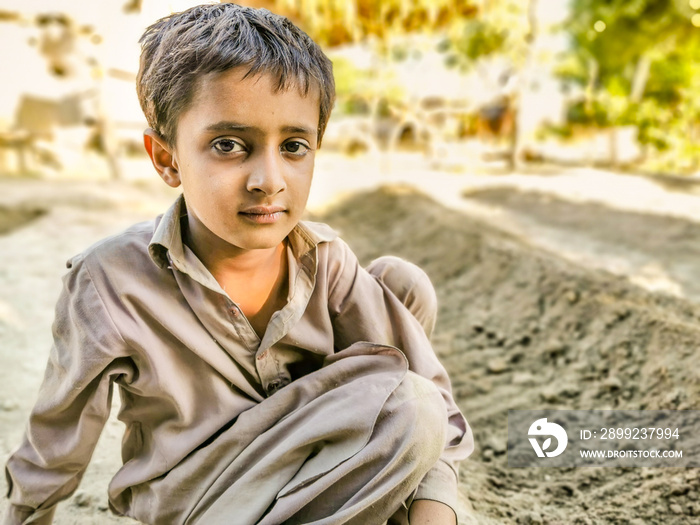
[{"x": 348, "y": 443}]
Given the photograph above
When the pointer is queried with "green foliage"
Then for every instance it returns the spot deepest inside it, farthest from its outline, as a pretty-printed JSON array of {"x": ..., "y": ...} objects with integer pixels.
[
  {"x": 358, "y": 89},
  {"x": 479, "y": 39},
  {"x": 382, "y": 24},
  {"x": 611, "y": 41},
  {"x": 501, "y": 28},
  {"x": 631, "y": 28}
]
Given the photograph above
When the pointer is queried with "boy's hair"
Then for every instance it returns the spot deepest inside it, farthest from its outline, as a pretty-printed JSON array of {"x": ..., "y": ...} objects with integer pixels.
[{"x": 178, "y": 50}]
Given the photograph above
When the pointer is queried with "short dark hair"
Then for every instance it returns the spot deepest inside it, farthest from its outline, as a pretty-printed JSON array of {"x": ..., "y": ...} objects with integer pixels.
[{"x": 178, "y": 50}]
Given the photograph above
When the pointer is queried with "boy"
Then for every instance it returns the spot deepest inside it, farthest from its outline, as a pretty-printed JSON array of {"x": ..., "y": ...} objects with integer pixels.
[{"x": 264, "y": 376}]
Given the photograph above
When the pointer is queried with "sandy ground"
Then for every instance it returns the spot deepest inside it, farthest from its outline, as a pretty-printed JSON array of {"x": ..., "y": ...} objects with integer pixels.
[{"x": 558, "y": 289}]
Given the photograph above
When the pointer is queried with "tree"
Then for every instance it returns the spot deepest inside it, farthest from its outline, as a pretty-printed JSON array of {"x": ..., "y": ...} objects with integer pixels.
[
  {"x": 507, "y": 29},
  {"x": 387, "y": 28},
  {"x": 337, "y": 22},
  {"x": 636, "y": 59}
]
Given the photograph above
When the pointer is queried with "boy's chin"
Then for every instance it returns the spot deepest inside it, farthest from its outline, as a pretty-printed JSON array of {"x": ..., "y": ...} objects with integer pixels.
[{"x": 258, "y": 242}]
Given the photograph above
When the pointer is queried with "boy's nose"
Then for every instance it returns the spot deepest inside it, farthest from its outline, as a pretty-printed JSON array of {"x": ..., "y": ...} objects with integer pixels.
[{"x": 267, "y": 173}]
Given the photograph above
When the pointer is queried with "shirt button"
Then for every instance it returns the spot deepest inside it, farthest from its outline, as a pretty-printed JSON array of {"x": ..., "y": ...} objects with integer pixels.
[
  {"x": 262, "y": 356},
  {"x": 234, "y": 311}
]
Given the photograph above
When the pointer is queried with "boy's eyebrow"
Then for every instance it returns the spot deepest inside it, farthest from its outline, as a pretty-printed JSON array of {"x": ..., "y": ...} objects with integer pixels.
[
  {"x": 234, "y": 126},
  {"x": 299, "y": 129}
]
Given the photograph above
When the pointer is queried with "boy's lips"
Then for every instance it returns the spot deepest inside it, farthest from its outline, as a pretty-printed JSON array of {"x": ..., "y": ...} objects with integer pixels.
[{"x": 263, "y": 214}]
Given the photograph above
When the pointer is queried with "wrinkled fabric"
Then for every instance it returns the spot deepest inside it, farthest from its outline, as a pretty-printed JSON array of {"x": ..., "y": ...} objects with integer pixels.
[
  {"x": 140, "y": 310},
  {"x": 307, "y": 454}
]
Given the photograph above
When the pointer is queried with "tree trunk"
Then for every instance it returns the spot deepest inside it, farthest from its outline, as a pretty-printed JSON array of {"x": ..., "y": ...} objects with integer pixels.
[{"x": 641, "y": 76}]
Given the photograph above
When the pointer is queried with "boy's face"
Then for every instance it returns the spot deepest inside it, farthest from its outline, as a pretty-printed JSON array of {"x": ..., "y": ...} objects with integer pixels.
[{"x": 244, "y": 156}]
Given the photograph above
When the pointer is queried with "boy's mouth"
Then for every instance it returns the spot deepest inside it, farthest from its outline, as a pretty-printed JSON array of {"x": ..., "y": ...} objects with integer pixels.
[{"x": 263, "y": 214}]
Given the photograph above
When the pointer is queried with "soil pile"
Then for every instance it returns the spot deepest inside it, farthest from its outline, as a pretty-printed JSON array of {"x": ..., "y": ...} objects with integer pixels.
[{"x": 520, "y": 328}]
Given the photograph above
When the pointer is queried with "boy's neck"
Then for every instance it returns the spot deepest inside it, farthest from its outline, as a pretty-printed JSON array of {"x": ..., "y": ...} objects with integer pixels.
[
  {"x": 256, "y": 280},
  {"x": 222, "y": 258}
]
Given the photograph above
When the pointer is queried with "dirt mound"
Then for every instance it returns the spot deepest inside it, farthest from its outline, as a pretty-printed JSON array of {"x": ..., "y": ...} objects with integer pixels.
[
  {"x": 658, "y": 251},
  {"x": 520, "y": 328}
]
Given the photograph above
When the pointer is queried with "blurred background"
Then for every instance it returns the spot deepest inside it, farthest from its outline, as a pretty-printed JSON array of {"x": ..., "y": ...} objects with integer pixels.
[
  {"x": 467, "y": 84},
  {"x": 540, "y": 159}
]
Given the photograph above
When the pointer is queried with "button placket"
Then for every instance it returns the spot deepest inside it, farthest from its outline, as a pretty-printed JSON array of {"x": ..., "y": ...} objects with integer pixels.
[
  {"x": 267, "y": 370},
  {"x": 241, "y": 324}
]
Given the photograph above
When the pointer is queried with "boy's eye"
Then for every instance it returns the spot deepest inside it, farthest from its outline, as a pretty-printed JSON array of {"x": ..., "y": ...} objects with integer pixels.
[
  {"x": 295, "y": 147},
  {"x": 228, "y": 146}
]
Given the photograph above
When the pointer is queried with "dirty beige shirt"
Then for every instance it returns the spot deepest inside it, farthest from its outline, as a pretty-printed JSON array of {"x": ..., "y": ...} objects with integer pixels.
[{"x": 140, "y": 310}]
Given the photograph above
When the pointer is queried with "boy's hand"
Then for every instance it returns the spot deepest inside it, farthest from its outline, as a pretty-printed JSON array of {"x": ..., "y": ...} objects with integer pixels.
[{"x": 429, "y": 512}]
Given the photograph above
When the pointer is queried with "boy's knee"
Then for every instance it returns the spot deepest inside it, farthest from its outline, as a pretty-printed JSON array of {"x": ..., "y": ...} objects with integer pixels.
[
  {"x": 421, "y": 405},
  {"x": 410, "y": 285}
]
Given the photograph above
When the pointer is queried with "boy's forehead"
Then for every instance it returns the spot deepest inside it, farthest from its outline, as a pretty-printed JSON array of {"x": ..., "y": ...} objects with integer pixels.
[
  {"x": 254, "y": 96},
  {"x": 264, "y": 82}
]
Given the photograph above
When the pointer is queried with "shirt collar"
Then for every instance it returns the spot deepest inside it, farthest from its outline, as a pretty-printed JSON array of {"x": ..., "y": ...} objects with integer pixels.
[{"x": 166, "y": 244}]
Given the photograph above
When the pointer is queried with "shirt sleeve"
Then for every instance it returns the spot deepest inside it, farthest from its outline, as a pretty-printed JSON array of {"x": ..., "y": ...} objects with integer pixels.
[
  {"x": 363, "y": 309},
  {"x": 73, "y": 403}
]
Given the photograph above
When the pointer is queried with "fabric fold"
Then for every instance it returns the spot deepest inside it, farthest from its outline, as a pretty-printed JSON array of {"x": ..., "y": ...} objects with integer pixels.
[{"x": 286, "y": 441}]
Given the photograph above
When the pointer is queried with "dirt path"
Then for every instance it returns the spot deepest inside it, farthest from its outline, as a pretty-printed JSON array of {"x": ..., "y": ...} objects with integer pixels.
[{"x": 520, "y": 327}]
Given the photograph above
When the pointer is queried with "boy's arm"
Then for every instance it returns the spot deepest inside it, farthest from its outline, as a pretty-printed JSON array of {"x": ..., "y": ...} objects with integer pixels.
[
  {"x": 73, "y": 404},
  {"x": 363, "y": 309}
]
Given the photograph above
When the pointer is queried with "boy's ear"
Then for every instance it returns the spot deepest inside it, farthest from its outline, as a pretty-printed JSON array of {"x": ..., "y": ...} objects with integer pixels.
[{"x": 162, "y": 157}]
